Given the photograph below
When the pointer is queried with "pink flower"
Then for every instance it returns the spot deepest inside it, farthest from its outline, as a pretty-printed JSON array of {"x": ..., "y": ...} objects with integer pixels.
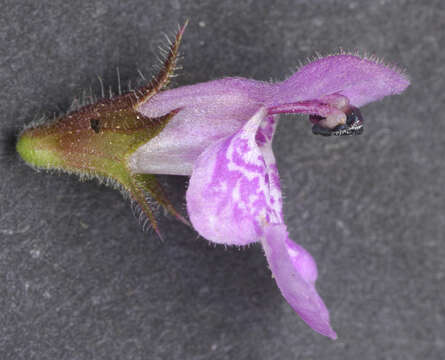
[
  {"x": 220, "y": 133},
  {"x": 222, "y": 137}
]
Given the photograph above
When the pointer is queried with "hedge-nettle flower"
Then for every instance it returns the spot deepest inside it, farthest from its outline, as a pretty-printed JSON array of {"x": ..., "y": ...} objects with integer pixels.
[{"x": 219, "y": 133}]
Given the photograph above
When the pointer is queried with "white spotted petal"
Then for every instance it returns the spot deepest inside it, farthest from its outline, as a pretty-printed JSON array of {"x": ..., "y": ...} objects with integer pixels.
[
  {"x": 234, "y": 188},
  {"x": 234, "y": 198}
]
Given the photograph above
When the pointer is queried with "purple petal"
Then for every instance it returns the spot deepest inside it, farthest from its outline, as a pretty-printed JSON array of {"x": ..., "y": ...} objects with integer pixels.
[
  {"x": 361, "y": 80},
  {"x": 234, "y": 188},
  {"x": 217, "y": 109},
  {"x": 209, "y": 112},
  {"x": 295, "y": 272}
]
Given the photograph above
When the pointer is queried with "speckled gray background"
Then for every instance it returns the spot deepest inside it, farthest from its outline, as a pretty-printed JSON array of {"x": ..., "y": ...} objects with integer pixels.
[{"x": 78, "y": 278}]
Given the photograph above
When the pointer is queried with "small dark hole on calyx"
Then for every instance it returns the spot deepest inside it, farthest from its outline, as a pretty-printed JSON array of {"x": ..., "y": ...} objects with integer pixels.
[{"x": 95, "y": 125}]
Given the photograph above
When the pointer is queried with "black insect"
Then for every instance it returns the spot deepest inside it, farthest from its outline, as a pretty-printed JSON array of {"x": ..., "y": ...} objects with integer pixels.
[{"x": 353, "y": 126}]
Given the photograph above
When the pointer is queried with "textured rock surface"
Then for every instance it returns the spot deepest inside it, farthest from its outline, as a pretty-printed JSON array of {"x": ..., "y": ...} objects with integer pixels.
[{"x": 78, "y": 278}]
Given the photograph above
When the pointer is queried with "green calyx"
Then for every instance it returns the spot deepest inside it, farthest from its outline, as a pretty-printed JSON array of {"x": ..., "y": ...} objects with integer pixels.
[
  {"x": 97, "y": 140},
  {"x": 36, "y": 153}
]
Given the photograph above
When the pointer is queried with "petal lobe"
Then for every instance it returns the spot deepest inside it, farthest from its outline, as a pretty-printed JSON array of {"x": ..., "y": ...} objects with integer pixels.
[{"x": 295, "y": 272}]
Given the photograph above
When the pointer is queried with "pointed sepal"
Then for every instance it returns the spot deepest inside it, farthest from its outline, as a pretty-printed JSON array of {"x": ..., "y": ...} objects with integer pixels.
[
  {"x": 162, "y": 79},
  {"x": 151, "y": 186}
]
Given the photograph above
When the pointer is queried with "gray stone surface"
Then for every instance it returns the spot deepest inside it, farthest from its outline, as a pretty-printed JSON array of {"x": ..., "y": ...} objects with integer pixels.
[{"x": 78, "y": 278}]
